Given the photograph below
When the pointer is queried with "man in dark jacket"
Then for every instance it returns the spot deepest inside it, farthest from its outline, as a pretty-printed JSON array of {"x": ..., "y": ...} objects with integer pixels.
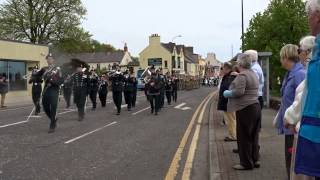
[
  {"x": 229, "y": 117},
  {"x": 36, "y": 82},
  {"x": 117, "y": 80},
  {"x": 3, "y": 89},
  {"x": 154, "y": 91}
]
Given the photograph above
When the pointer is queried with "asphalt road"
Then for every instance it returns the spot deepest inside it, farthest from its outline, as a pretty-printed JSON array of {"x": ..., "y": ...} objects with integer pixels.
[{"x": 133, "y": 146}]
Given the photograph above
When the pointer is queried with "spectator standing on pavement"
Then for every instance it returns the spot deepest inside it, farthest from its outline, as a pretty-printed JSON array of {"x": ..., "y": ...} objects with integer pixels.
[
  {"x": 243, "y": 98},
  {"x": 293, "y": 114},
  {"x": 296, "y": 73},
  {"x": 258, "y": 70},
  {"x": 229, "y": 117},
  {"x": 308, "y": 147},
  {"x": 3, "y": 89}
]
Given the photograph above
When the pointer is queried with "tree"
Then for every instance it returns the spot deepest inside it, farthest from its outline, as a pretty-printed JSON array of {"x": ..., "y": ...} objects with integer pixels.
[
  {"x": 40, "y": 21},
  {"x": 283, "y": 22}
]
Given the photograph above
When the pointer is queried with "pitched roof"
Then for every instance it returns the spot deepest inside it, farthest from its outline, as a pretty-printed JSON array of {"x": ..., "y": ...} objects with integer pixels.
[
  {"x": 179, "y": 48},
  {"x": 99, "y": 57},
  {"x": 169, "y": 46}
]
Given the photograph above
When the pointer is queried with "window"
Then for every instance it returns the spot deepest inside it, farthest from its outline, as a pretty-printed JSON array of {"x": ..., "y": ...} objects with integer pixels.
[
  {"x": 155, "y": 61},
  {"x": 173, "y": 59},
  {"x": 14, "y": 71},
  {"x": 165, "y": 64},
  {"x": 179, "y": 62}
]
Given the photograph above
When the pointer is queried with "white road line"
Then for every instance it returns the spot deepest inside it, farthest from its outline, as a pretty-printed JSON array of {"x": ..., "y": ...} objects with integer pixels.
[
  {"x": 13, "y": 124},
  {"x": 73, "y": 110},
  {"x": 86, "y": 134},
  {"x": 180, "y": 105},
  {"x": 26, "y": 107},
  {"x": 141, "y": 111}
]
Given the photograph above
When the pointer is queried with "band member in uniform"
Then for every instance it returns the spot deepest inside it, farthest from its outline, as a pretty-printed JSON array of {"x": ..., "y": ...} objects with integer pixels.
[
  {"x": 169, "y": 88},
  {"x": 52, "y": 77},
  {"x": 154, "y": 91},
  {"x": 93, "y": 90},
  {"x": 36, "y": 81},
  {"x": 174, "y": 88},
  {"x": 162, "y": 87},
  {"x": 103, "y": 90},
  {"x": 135, "y": 91},
  {"x": 67, "y": 91},
  {"x": 117, "y": 80},
  {"x": 129, "y": 89},
  {"x": 80, "y": 83}
]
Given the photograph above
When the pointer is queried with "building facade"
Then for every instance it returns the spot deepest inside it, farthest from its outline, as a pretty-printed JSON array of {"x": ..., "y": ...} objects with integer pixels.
[
  {"x": 172, "y": 58},
  {"x": 17, "y": 60}
]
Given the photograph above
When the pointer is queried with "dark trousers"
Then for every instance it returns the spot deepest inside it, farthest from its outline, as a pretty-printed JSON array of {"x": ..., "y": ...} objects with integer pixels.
[
  {"x": 175, "y": 95},
  {"x": 260, "y": 99},
  {"x": 117, "y": 99},
  {"x": 128, "y": 96},
  {"x": 162, "y": 94},
  {"x": 288, "y": 144},
  {"x": 36, "y": 95},
  {"x": 154, "y": 102},
  {"x": 169, "y": 95},
  {"x": 103, "y": 98},
  {"x": 67, "y": 96},
  {"x": 248, "y": 134},
  {"x": 50, "y": 103},
  {"x": 93, "y": 97},
  {"x": 80, "y": 97},
  {"x": 134, "y": 98}
]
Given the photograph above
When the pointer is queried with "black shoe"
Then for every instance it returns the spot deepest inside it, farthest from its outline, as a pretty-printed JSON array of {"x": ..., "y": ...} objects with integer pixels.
[
  {"x": 156, "y": 114},
  {"x": 236, "y": 151},
  {"x": 228, "y": 139},
  {"x": 152, "y": 111},
  {"x": 256, "y": 164},
  {"x": 51, "y": 130}
]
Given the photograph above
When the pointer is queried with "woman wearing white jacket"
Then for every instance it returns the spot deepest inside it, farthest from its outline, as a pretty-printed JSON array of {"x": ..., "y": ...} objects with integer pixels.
[{"x": 294, "y": 112}]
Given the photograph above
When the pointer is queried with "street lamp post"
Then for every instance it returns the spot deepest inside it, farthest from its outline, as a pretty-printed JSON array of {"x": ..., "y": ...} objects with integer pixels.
[
  {"x": 175, "y": 37},
  {"x": 242, "y": 23}
]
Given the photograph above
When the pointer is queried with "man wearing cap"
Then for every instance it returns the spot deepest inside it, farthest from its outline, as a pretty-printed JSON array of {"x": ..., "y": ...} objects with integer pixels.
[
  {"x": 52, "y": 77},
  {"x": 154, "y": 91},
  {"x": 129, "y": 89},
  {"x": 103, "y": 90},
  {"x": 117, "y": 80},
  {"x": 36, "y": 82},
  {"x": 94, "y": 86},
  {"x": 162, "y": 87},
  {"x": 80, "y": 83}
]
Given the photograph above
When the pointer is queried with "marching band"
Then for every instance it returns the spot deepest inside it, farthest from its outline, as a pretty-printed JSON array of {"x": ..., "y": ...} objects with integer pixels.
[{"x": 82, "y": 83}]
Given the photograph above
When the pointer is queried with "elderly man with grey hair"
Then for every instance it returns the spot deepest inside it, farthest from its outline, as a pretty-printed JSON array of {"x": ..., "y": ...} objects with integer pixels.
[{"x": 243, "y": 99}]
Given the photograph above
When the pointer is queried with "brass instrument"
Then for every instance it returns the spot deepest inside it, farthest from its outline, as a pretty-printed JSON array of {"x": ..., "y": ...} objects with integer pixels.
[{"x": 146, "y": 75}]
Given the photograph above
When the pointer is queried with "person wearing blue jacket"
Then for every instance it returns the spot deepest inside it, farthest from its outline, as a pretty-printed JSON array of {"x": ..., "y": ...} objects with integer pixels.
[{"x": 295, "y": 75}]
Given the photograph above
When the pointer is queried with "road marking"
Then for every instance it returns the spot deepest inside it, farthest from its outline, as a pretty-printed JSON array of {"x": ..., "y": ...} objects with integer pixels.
[
  {"x": 86, "y": 134},
  {"x": 140, "y": 111},
  {"x": 180, "y": 106},
  {"x": 72, "y": 110},
  {"x": 193, "y": 146},
  {"x": 35, "y": 116},
  {"x": 13, "y": 124},
  {"x": 174, "y": 166}
]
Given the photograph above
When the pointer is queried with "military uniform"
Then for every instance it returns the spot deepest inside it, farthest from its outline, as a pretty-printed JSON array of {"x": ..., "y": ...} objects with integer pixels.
[
  {"x": 80, "y": 83},
  {"x": 103, "y": 91},
  {"x": 53, "y": 79},
  {"x": 117, "y": 88},
  {"x": 67, "y": 92},
  {"x": 154, "y": 87},
  {"x": 174, "y": 89},
  {"x": 36, "y": 81},
  {"x": 135, "y": 91},
  {"x": 129, "y": 90},
  {"x": 169, "y": 90},
  {"x": 162, "y": 90},
  {"x": 93, "y": 90}
]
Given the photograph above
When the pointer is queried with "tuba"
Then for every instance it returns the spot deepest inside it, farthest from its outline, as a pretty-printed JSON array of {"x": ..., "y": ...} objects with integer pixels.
[{"x": 146, "y": 75}]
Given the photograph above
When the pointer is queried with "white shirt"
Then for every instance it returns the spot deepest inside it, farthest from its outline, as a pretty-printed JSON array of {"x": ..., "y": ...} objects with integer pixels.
[{"x": 258, "y": 70}]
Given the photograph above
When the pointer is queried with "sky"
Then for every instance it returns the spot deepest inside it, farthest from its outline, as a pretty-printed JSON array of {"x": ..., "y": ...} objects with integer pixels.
[{"x": 208, "y": 25}]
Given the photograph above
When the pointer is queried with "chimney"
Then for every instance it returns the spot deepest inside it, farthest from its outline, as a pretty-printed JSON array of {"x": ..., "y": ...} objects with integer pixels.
[
  {"x": 154, "y": 39},
  {"x": 125, "y": 47}
]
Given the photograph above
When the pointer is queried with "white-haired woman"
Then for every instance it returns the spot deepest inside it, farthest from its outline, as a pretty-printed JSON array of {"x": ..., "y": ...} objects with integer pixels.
[
  {"x": 293, "y": 114},
  {"x": 243, "y": 98}
]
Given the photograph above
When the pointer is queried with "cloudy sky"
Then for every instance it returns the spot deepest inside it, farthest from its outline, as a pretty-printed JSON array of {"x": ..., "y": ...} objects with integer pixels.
[{"x": 208, "y": 25}]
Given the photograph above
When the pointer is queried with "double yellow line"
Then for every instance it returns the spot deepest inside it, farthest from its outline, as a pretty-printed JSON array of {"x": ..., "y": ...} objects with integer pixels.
[{"x": 174, "y": 167}]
